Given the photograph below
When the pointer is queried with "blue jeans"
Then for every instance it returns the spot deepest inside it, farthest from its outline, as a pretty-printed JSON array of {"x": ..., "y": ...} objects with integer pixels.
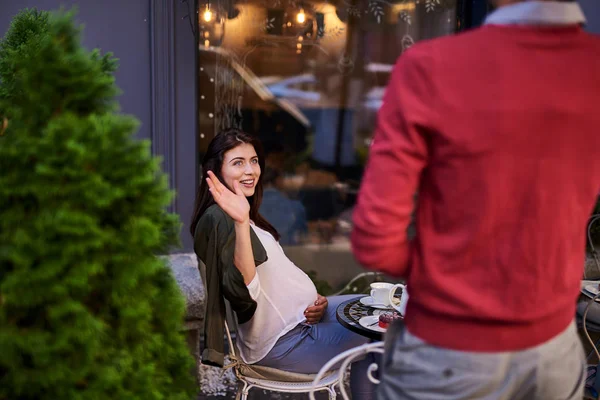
[{"x": 306, "y": 348}]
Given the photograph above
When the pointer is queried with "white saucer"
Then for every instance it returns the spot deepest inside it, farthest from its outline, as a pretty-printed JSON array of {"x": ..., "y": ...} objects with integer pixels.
[
  {"x": 371, "y": 322},
  {"x": 370, "y": 302}
]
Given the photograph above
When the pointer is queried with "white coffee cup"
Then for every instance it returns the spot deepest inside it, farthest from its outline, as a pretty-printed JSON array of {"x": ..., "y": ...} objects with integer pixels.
[
  {"x": 380, "y": 292},
  {"x": 401, "y": 308}
]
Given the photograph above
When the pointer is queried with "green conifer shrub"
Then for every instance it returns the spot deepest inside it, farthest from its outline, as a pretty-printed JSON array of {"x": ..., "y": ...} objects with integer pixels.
[{"x": 87, "y": 309}]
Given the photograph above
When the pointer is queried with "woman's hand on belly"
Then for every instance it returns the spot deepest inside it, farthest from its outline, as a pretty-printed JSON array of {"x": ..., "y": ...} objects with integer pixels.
[{"x": 315, "y": 312}]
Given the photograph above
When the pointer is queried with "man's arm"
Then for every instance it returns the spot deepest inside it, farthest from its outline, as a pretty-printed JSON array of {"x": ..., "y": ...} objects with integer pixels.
[{"x": 397, "y": 158}]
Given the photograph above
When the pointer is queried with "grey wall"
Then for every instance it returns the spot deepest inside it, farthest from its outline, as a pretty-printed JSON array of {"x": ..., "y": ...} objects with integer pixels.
[
  {"x": 118, "y": 26},
  {"x": 186, "y": 109},
  {"x": 592, "y": 12},
  {"x": 125, "y": 28}
]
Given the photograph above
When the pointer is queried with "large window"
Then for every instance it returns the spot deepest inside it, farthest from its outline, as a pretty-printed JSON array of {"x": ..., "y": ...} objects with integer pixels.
[{"x": 308, "y": 78}]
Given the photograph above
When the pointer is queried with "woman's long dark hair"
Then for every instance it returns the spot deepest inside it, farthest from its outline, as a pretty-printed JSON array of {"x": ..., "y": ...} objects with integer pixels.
[{"x": 213, "y": 161}]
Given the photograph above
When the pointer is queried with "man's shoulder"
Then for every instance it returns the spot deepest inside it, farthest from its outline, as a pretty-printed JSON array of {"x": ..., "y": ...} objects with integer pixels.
[{"x": 446, "y": 45}]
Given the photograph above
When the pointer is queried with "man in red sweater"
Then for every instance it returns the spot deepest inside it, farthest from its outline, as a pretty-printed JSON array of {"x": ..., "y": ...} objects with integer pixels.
[{"x": 497, "y": 129}]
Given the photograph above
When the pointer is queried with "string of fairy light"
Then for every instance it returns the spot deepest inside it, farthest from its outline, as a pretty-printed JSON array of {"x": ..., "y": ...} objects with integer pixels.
[{"x": 208, "y": 15}]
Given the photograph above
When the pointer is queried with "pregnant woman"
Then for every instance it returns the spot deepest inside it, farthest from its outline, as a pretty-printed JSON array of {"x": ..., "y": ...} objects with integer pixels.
[{"x": 283, "y": 322}]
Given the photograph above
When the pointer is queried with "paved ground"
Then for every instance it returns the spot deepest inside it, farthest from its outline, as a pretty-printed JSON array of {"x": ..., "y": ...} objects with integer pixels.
[
  {"x": 257, "y": 394},
  {"x": 218, "y": 386}
]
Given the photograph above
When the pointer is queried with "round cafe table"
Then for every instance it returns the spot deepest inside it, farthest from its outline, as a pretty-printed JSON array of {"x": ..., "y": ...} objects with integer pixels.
[{"x": 351, "y": 311}]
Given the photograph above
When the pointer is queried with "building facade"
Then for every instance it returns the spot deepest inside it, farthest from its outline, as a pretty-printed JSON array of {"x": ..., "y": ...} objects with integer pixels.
[{"x": 306, "y": 76}]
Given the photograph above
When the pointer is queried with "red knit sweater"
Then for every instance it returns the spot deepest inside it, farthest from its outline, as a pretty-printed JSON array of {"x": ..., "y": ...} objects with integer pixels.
[{"x": 498, "y": 130}]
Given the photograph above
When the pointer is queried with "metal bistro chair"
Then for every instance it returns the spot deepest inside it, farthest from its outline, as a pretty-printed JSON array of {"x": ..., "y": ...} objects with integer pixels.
[
  {"x": 588, "y": 318},
  {"x": 592, "y": 384},
  {"x": 257, "y": 376},
  {"x": 590, "y": 322},
  {"x": 272, "y": 379}
]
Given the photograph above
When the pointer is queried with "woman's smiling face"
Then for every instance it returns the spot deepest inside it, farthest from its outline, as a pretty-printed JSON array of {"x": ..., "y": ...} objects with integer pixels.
[{"x": 241, "y": 164}]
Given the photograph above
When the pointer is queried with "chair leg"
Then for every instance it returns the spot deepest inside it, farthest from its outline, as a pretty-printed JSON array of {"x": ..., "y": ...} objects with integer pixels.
[
  {"x": 332, "y": 393},
  {"x": 245, "y": 391},
  {"x": 242, "y": 392}
]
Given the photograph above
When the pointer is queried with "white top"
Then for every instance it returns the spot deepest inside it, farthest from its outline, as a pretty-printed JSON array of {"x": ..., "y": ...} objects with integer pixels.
[
  {"x": 537, "y": 13},
  {"x": 282, "y": 292}
]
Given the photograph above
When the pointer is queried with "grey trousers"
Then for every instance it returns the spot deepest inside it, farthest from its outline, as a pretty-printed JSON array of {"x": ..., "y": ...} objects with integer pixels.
[{"x": 413, "y": 369}]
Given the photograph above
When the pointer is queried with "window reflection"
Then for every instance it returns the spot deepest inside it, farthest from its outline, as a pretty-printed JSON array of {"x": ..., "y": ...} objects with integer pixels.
[{"x": 308, "y": 78}]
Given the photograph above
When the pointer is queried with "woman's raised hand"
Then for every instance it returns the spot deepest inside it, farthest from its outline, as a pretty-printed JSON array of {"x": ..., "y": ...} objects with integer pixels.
[{"x": 234, "y": 204}]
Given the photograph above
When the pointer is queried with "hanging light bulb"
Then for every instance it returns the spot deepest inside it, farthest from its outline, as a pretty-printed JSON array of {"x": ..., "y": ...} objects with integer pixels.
[
  {"x": 207, "y": 14},
  {"x": 301, "y": 17}
]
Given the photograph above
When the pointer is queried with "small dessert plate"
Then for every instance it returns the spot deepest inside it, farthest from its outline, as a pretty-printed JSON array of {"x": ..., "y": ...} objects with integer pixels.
[{"x": 371, "y": 322}]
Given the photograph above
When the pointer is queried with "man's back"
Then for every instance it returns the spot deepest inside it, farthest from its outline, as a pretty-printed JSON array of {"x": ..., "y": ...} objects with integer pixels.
[{"x": 501, "y": 124}]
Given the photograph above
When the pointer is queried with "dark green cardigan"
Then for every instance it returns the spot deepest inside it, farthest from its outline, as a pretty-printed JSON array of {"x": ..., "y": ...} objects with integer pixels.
[{"x": 214, "y": 244}]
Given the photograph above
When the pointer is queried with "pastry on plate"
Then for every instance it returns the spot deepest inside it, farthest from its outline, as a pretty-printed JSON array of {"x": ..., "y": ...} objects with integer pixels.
[{"x": 387, "y": 318}]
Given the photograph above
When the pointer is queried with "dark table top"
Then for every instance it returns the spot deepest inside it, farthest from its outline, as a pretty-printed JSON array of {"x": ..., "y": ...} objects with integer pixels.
[{"x": 351, "y": 311}]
